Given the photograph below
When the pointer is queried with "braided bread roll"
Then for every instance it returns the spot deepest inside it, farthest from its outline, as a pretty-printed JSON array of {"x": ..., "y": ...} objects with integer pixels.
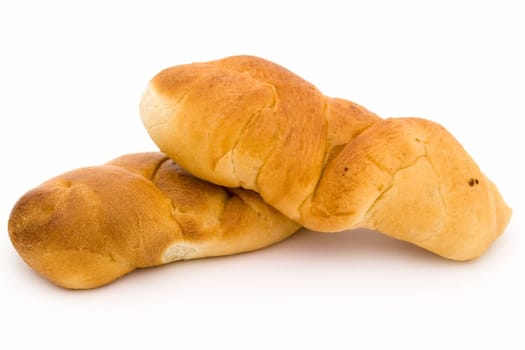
[
  {"x": 327, "y": 163},
  {"x": 89, "y": 226}
]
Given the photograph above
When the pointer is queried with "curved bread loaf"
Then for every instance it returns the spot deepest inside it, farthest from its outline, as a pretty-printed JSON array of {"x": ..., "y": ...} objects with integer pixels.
[
  {"x": 89, "y": 226},
  {"x": 327, "y": 163}
]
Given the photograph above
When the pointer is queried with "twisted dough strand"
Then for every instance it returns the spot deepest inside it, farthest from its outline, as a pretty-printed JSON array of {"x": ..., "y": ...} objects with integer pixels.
[{"x": 327, "y": 163}]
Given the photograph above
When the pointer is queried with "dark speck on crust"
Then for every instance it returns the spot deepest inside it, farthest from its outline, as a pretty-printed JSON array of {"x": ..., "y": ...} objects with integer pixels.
[{"x": 473, "y": 182}]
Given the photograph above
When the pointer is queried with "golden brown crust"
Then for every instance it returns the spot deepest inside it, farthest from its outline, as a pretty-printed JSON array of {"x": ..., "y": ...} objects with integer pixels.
[
  {"x": 89, "y": 226},
  {"x": 326, "y": 163}
]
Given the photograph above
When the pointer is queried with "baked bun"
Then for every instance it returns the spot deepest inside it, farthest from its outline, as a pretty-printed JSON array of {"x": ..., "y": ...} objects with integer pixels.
[
  {"x": 326, "y": 163},
  {"x": 89, "y": 226}
]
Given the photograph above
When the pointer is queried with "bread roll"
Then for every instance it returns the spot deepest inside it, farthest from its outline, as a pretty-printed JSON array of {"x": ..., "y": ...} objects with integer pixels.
[
  {"x": 326, "y": 163},
  {"x": 89, "y": 226}
]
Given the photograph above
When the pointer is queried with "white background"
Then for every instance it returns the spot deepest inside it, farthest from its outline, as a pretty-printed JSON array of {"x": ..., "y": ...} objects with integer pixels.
[{"x": 71, "y": 76}]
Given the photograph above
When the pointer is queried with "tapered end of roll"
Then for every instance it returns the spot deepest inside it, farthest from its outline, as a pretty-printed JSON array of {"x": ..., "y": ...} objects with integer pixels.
[
  {"x": 54, "y": 229},
  {"x": 412, "y": 180}
]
